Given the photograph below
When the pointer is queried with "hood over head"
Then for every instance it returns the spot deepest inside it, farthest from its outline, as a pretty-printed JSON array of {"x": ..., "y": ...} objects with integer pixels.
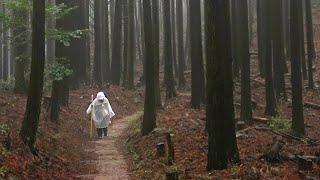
[{"x": 101, "y": 96}]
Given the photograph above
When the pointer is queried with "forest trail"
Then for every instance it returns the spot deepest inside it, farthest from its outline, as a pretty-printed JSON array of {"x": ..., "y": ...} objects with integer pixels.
[{"x": 110, "y": 161}]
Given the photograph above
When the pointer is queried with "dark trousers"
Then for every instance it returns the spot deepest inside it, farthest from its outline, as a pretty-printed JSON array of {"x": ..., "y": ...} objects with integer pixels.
[{"x": 101, "y": 131}]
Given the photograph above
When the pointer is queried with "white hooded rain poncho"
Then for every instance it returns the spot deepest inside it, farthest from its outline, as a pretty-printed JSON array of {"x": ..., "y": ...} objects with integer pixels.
[{"x": 101, "y": 111}]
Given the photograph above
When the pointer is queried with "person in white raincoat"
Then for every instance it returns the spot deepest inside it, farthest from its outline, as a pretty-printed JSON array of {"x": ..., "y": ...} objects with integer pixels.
[{"x": 102, "y": 113}]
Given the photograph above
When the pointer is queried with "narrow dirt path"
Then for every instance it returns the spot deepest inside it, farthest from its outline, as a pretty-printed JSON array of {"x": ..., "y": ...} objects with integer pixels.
[{"x": 111, "y": 163}]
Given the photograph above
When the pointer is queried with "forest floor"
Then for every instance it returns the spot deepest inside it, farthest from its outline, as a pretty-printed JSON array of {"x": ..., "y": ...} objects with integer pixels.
[
  {"x": 190, "y": 140},
  {"x": 66, "y": 152},
  {"x": 110, "y": 161},
  {"x": 63, "y": 146}
]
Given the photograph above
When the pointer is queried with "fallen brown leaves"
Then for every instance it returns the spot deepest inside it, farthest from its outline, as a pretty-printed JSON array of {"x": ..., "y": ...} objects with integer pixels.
[
  {"x": 190, "y": 141},
  {"x": 61, "y": 145}
]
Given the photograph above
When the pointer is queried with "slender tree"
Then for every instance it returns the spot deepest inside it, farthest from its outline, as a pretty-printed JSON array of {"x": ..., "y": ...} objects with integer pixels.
[
  {"x": 286, "y": 28},
  {"x": 310, "y": 41},
  {"x": 179, "y": 14},
  {"x": 244, "y": 59},
  {"x": 261, "y": 33},
  {"x": 131, "y": 44},
  {"x": 234, "y": 34},
  {"x": 296, "y": 79},
  {"x": 149, "y": 117},
  {"x": 302, "y": 40},
  {"x": 155, "y": 22},
  {"x": 168, "y": 76},
  {"x": 277, "y": 49},
  {"x": 31, "y": 119},
  {"x": 187, "y": 50},
  {"x": 222, "y": 142},
  {"x": 270, "y": 95},
  {"x": 116, "y": 46},
  {"x": 98, "y": 41},
  {"x": 106, "y": 64},
  {"x": 142, "y": 40},
  {"x": 197, "y": 71},
  {"x": 125, "y": 41},
  {"x": 5, "y": 49},
  {"x": 50, "y": 42},
  {"x": 20, "y": 49},
  {"x": 173, "y": 37},
  {"x": 112, "y": 13}
]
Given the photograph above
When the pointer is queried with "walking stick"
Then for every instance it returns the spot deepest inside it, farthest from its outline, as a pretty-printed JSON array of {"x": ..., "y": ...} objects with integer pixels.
[{"x": 91, "y": 121}]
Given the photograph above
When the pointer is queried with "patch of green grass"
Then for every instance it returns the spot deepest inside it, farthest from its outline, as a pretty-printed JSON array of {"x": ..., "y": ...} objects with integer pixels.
[
  {"x": 134, "y": 125},
  {"x": 3, "y": 171},
  {"x": 7, "y": 85},
  {"x": 280, "y": 124},
  {"x": 4, "y": 129},
  {"x": 134, "y": 130},
  {"x": 132, "y": 151}
]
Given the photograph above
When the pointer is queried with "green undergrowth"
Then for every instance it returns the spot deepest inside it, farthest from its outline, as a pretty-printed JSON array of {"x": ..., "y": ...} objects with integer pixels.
[
  {"x": 133, "y": 131},
  {"x": 7, "y": 85},
  {"x": 280, "y": 124}
]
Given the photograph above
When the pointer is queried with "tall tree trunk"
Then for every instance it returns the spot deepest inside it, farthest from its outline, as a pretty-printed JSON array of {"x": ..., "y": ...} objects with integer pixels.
[
  {"x": 302, "y": 45},
  {"x": 5, "y": 56},
  {"x": 286, "y": 28},
  {"x": 156, "y": 36},
  {"x": 106, "y": 67},
  {"x": 20, "y": 50},
  {"x": 5, "y": 50},
  {"x": 197, "y": 71},
  {"x": 234, "y": 35},
  {"x": 125, "y": 41},
  {"x": 50, "y": 48},
  {"x": 103, "y": 37},
  {"x": 30, "y": 123},
  {"x": 116, "y": 47},
  {"x": 112, "y": 14},
  {"x": 310, "y": 41},
  {"x": 222, "y": 141},
  {"x": 297, "y": 108},
  {"x": 251, "y": 20},
  {"x": 131, "y": 44},
  {"x": 270, "y": 95},
  {"x": 168, "y": 58},
  {"x": 142, "y": 42},
  {"x": 173, "y": 37},
  {"x": 244, "y": 59},
  {"x": 98, "y": 69},
  {"x": 57, "y": 88},
  {"x": 262, "y": 36},
  {"x": 11, "y": 53},
  {"x": 181, "y": 57},
  {"x": 278, "y": 49},
  {"x": 139, "y": 32},
  {"x": 149, "y": 117},
  {"x": 187, "y": 48}
]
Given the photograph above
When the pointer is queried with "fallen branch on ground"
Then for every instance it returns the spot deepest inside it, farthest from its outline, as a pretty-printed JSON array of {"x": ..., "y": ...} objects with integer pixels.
[
  {"x": 285, "y": 135},
  {"x": 289, "y": 136},
  {"x": 311, "y": 105},
  {"x": 261, "y": 120}
]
